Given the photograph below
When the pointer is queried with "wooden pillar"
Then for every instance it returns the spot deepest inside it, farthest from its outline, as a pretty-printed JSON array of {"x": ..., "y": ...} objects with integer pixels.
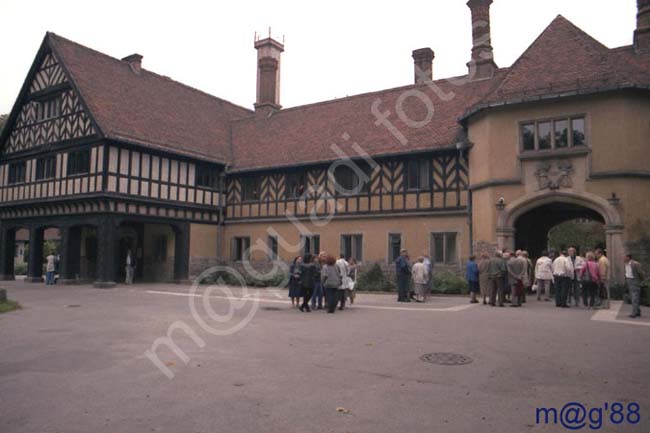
[
  {"x": 35, "y": 260},
  {"x": 106, "y": 253},
  {"x": 182, "y": 253},
  {"x": 7, "y": 253}
]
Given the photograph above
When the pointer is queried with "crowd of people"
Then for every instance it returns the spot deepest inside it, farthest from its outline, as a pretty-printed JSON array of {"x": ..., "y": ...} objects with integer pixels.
[
  {"x": 507, "y": 278},
  {"x": 322, "y": 282}
]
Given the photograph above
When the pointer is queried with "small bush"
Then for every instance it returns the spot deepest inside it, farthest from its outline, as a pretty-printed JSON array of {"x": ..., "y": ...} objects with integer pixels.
[
  {"x": 20, "y": 269},
  {"x": 449, "y": 284},
  {"x": 279, "y": 279},
  {"x": 9, "y": 306},
  {"x": 374, "y": 279},
  {"x": 616, "y": 291}
]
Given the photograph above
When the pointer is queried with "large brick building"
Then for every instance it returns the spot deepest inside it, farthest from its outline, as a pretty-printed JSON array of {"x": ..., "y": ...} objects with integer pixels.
[{"x": 117, "y": 157}]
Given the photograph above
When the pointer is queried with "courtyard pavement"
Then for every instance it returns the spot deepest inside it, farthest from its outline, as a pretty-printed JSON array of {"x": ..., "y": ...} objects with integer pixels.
[{"x": 74, "y": 359}]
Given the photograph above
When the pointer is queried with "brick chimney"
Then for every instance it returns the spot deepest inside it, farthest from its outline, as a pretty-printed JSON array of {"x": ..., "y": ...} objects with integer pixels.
[
  {"x": 135, "y": 62},
  {"x": 482, "y": 65},
  {"x": 268, "y": 75},
  {"x": 642, "y": 32},
  {"x": 423, "y": 65}
]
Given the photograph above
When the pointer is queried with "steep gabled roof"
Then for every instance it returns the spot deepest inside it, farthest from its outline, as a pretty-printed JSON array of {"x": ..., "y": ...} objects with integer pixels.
[
  {"x": 146, "y": 108},
  {"x": 562, "y": 61},
  {"x": 304, "y": 135}
]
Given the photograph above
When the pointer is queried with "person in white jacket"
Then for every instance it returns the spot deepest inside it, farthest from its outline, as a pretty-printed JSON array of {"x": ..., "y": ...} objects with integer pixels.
[
  {"x": 544, "y": 276},
  {"x": 563, "y": 274},
  {"x": 343, "y": 269},
  {"x": 420, "y": 275},
  {"x": 575, "y": 289}
]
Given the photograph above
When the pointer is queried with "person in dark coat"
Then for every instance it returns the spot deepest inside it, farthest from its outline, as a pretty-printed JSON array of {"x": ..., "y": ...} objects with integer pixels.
[
  {"x": 307, "y": 271},
  {"x": 317, "y": 298},
  {"x": 294, "y": 282},
  {"x": 403, "y": 270},
  {"x": 331, "y": 281}
]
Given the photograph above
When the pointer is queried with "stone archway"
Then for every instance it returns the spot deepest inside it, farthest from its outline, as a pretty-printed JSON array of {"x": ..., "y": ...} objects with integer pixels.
[{"x": 595, "y": 204}]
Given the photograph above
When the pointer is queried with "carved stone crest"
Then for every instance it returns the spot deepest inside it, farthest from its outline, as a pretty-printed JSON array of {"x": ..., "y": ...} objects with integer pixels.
[{"x": 554, "y": 175}]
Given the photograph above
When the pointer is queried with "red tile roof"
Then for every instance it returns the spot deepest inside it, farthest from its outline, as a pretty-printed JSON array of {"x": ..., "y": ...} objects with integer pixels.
[
  {"x": 564, "y": 61},
  {"x": 155, "y": 111},
  {"x": 148, "y": 108},
  {"x": 305, "y": 134}
]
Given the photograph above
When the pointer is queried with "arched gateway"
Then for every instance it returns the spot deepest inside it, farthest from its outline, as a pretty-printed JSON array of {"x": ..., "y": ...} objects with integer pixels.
[{"x": 559, "y": 206}]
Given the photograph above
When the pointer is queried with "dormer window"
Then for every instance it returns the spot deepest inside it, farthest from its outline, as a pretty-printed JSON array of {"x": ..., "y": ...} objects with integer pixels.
[
  {"x": 48, "y": 108},
  {"x": 560, "y": 133}
]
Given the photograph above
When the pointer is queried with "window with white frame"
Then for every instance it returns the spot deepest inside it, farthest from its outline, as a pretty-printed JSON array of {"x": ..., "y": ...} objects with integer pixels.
[{"x": 549, "y": 134}]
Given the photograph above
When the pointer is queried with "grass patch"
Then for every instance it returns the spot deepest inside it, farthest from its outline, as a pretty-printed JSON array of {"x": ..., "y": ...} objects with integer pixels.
[{"x": 10, "y": 305}]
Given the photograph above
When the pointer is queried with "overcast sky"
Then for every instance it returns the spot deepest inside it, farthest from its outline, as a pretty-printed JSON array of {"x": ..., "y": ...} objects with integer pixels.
[{"x": 332, "y": 48}]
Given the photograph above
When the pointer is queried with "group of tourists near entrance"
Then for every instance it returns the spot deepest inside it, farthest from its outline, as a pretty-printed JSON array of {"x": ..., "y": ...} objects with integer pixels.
[
  {"x": 507, "y": 278},
  {"x": 323, "y": 282}
]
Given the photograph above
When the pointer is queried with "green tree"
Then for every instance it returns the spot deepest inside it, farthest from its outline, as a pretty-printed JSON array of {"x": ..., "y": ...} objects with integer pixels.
[
  {"x": 585, "y": 235},
  {"x": 3, "y": 120}
]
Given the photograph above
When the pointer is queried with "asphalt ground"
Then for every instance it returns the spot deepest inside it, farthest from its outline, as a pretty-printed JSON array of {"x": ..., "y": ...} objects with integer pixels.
[{"x": 74, "y": 359}]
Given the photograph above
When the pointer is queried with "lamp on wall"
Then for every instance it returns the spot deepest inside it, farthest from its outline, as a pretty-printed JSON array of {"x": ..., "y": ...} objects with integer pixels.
[
  {"x": 501, "y": 204},
  {"x": 614, "y": 200}
]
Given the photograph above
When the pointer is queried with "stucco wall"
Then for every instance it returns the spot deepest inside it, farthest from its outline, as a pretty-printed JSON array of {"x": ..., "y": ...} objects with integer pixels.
[
  {"x": 203, "y": 247},
  {"x": 415, "y": 230}
]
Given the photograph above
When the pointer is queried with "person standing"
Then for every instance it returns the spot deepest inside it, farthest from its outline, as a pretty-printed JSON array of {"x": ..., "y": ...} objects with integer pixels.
[
  {"x": 530, "y": 272},
  {"x": 49, "y": 269},
  {"x": 563, "y": 275},
  {"x": 403, "y": 270},
  {"x": 496, "y": 271},
  {"x": 589, "y": 275},
  {"x": 130, "y": 267},
  {"x": 634, "y": 276},
  {"x": 429, "y": 265},
  {"x": 575, "y": 286},
  {"x": 483, "y": 276},
  {"x": 352, "y": 273},
  {"x": 331, "y": 281},
  {"x": 343, "y": 269},
  {"x": 294, "y": 282},
  {"x": 420, "y": 277},
  {"x": 472, "y": 278},
  {"x": 604, "y": 268},
  {"x": 505, "y": 281},
  {"x": 317, "y": 298},
  {"x": 544, "y": 276},
  {"x": 306, "y": 282},
  {"x": 516, "y": 277}
]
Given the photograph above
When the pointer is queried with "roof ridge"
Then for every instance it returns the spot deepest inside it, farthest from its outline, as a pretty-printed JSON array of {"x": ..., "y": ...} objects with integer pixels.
[
  {"x": 165, "y": 77},
  {"x": 364, "y": 94},
  {"x": 559, "y": 19}
]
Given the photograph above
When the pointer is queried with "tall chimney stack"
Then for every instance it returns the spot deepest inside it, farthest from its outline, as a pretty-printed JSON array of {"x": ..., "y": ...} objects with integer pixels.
[
  {"x": 268, "y": 75},
  {"x": 482, "y": 65},
  {"x": 423, "y": 65},
  {"x": 642, "y": 32}
]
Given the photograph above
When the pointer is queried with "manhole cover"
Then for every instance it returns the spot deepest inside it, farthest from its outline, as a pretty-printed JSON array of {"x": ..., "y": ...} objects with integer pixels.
[
  {"x": 272, "y": 308},
  {"x": 446, "y": 358}
]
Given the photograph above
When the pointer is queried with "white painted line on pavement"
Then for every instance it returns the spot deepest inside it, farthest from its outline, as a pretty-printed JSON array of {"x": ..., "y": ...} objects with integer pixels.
[
  {"x": 611, "y": 314},
  {"x": 250, "y": 297}
]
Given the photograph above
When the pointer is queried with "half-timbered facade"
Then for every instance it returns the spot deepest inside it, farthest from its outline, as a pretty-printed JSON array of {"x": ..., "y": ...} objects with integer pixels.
[{"x": 118, "y": 158}]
